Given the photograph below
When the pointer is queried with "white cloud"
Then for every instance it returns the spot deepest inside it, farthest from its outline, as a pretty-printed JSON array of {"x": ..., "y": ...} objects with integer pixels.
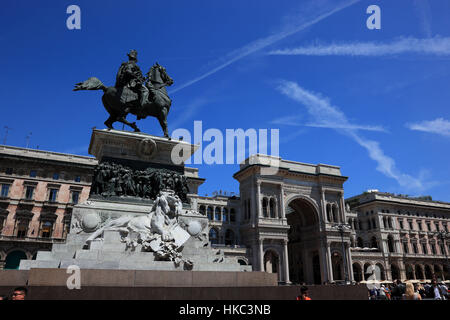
[
  {"x": 254, "y": 46},
  {"x": 438, "y": 126},
  {"x": 322, "y": 110},
  {"x": 432, "y": 46}
]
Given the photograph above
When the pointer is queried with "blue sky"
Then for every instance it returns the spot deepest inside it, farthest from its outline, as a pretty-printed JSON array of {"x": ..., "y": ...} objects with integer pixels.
[{"x": 374, "y": 102}]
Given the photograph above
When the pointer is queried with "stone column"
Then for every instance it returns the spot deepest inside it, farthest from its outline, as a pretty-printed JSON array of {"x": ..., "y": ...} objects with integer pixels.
[
  {"x": 286, "y": 261},
  {"x": 342, "y": 207},
  {"x": 261, "y": 254},
  {"x": 324, "y": 209},
  {"x": 282, "y": 208},
  {"x": 329, "y": 262},
  {"x": 253, "y": 213},
  {"x": 258, "y": 199},
  {"x": 349, "y": 262},
  {"x": 323, "y": 260}
]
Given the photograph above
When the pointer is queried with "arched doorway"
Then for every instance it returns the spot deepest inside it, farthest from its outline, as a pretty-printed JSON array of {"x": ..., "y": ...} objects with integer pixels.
[
  {"x": 303, "y": 244},
  {"x": 395, "y": 272},
  {"x": 271, "y": 261},
  {"x": 419, "y": 273},
  {"x": 337, "y": 263},
  {"x": 13, "y": 259},
  {"x": 409, "y": 272},
  {"x": 379, "y": 272},
  {"x": 428, "y": 272},
  {"x": 357, "y": 272}
]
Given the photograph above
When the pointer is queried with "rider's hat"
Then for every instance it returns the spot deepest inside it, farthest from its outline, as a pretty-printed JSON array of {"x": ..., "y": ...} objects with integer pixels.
[{"x": 132, "y": 54}]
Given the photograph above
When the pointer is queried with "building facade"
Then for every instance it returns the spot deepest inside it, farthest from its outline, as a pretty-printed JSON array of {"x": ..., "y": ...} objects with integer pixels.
[
  {"x": 398, "y": 237},
  {"x": 293, "y": 222},
  {"x": 38, "y": 190}
]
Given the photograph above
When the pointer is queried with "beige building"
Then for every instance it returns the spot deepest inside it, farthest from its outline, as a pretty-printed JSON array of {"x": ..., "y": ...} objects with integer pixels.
[
  {"x": 283, "y": 222},
  {"x": 398, "y": 237},
  {"x": 38, "y": 190}
]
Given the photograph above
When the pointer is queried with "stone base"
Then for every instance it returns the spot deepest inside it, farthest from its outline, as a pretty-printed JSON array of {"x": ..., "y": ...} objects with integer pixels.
[{"x": 111, "y": 252}]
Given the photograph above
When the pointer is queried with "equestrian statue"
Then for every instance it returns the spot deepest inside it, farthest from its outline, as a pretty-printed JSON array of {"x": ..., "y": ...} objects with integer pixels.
[{"x": 133, "y": 93}]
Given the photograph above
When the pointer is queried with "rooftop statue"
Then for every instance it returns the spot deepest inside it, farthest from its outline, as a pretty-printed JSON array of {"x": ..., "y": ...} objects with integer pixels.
[{"x": 133, "y": 93}]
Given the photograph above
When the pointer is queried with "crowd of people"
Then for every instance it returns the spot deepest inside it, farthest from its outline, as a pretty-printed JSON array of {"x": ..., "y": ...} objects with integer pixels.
[{"x": 410, "y": 291}]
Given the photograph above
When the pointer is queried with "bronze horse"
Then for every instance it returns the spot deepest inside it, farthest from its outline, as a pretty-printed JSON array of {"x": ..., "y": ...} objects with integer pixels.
[{"x": 157, "y": 105}]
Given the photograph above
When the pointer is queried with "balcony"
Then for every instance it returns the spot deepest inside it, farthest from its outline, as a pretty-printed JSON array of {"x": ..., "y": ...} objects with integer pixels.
[{"x": 32, "y": 239}]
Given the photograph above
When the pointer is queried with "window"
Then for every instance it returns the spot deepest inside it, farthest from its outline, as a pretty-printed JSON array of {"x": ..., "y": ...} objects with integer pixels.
[
  {"x": 264, "y": 208},
  {"x": 52, "y": 195},
  {"x": 232, "y": 215},
  {"x": 9, "y": 171},
  {"x": 415, "y": 248},
  {"x": 5, "y": 190},
  {"x": 78, "y": 179},
  {"x": 419, "y": 224},
  {"x": 46, "y": 231},
  {"x": 217, "y": 214},
  {"x": 75, "y": 196},
  {"x": 410, "y": 225},
  {"x": 400, "y": 222},
  {"x": 391, "y": 244},
  {"x": 424, "y": 248},
  {"x": 405, "y": 247},
  {"x": 56, "y": 176},
  {"x": 22, "y": 229},
  {"x": 442, "y": 249},
  {"x": 445, "y": 227},
  {"x": 29, "y": 192},
  {"x": 210, "y": 213},
  {"x": 33, "y": 173},
  {"x": 201, "y": 210},
  {"x": 213, "y": 236},
  {"x": 225, "y": 215},
  {"x": 433, "y": 248},
  {"x": 428, "y": 226},
  {"x": 436, "y": 224}
]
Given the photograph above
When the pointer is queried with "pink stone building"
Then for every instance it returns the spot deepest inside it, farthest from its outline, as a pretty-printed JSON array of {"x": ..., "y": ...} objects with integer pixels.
[{"x": 38, "y": 190}]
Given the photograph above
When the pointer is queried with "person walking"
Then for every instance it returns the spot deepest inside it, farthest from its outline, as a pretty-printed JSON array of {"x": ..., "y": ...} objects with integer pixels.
[
  {"x": 304, "y": 295},
  {"x": 410, "y": 293}
]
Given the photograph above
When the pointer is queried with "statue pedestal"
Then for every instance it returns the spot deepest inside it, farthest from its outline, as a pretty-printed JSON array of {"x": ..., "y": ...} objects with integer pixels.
[
  {"x": 140, "y": 150},
  {"x": 138, "y": 216}
]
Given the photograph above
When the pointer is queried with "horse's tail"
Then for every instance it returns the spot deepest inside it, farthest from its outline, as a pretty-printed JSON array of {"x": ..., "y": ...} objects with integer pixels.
[{"x": 92, "y": 83}]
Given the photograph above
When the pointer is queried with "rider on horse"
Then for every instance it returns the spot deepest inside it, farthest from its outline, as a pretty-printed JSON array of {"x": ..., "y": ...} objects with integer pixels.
[{"x": 130, "y": 76}]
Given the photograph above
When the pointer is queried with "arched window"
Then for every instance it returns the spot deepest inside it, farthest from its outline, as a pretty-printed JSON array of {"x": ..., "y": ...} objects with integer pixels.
[
  {"x": 359, "y": 242},
  {"x": 229, "y": 238},
  {"x": 210, "y": 213},
  {"x": 373, "y": 242},
  {"x": 217, "y": 214},
  {"x": 225, "y": 215},
  {"x": 213, "y": 236},
  {"x": 335, "y": 213},
  {"x": 272, "y": 208},
  {"x": 391, "y": 244},
  {"x": 47, "y": 229},
  {"x": 329, "y": 213},
  {"x": 264, "y": 207}
]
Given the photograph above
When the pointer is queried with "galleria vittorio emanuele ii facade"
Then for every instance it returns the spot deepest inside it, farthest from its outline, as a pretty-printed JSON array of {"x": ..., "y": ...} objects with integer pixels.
[{"x": 295, "y": 223}]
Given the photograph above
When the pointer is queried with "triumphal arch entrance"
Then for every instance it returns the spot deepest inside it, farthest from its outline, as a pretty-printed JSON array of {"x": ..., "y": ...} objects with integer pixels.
[{"x": 289, "y": 219}]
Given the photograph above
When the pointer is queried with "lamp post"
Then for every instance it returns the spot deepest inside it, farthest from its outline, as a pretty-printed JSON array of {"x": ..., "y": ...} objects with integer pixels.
[{"x": 341, "y": 228}]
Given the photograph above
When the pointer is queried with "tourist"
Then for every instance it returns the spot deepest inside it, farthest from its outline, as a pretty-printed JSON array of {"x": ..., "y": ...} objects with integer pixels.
[
  {"x": 303, "y": 294},
  {"x": 382, "y": 293},
  {"x": 19, "y": 293},
  {"x": 434, "y": 291},
  {"x": 443, "y": 291},
  {"x": 410, "y": 294}
]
